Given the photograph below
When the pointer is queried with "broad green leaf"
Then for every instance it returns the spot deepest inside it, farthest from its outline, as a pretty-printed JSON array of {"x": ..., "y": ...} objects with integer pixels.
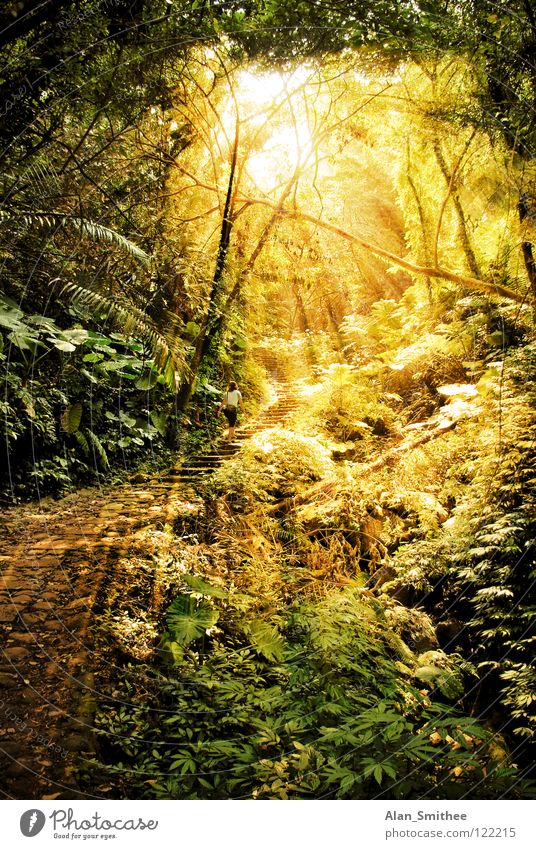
[
  {"x": 63, "y": 345},
  {"x": 160, "y": 421},
  {"x": 44, "y": 323},
  {"x": 76, "y": 335},
  {"x": 90, "y": 377},
  {"x": 265, "y": 638},
  {"x": 71, "y": 418},
  {"x": 10, "y": 319},
  {"x": 188, "y": 620},
  {"x": 212, "y": 390},
  {"x": 147, "y": 380},
  {"x": 198, "y": 585},
  {"x": 127, "y": 420},
  {"x": 192, "y": 329},
  {"x": 24, "y": 342}
]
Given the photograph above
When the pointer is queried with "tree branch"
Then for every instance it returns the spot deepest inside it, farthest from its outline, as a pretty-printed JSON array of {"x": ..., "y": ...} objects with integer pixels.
[{"x": 493, "y": 289}]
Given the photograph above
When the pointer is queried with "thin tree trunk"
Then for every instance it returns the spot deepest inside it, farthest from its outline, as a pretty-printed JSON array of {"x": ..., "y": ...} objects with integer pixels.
[
  {"x": 460, "y": 215},
  {"x": 526, "y": 248},
  {"x": 422, "y": 219},
  {"x": 267, "y": 229},
  {"x": 303, "y": 322},
  {"x": 206, "y": 331}
]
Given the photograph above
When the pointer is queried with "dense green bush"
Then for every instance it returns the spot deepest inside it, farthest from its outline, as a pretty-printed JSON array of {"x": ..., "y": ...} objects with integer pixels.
[
  {"x": 76, "y": 401},
  {"x": 317, "y": 701},
  {"x": 480, "y": 567},
  {"x": 275, "y": 463}
]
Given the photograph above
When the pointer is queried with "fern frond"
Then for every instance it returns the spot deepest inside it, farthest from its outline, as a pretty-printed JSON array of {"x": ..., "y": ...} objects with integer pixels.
[
  {"x": 98, "y": 448},
  {"x": 133, "y": 321},
  {"x": 89, "y": 229},
  {"x": 82, "y": 441}
]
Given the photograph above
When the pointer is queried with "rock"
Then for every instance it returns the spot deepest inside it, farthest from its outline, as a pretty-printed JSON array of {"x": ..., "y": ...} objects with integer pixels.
[
  {"x": 84, "y": 603},
  {"x": 54, "y": 625},
  {"x": 7, "y": 680},
  {"x": 23, "y": 598},
  {"x": 140, "y": 477},
  {"x": 17, "y": 769},
  {"x": 77, "y": 743},
  {"x": 16, "y": 653},
  {"x": 76, "y": 623},
  {"x": 403, "y": 593},
  {"x": 346, "y": 454},
  {"x": 8, "y": 613},
  {"x": 23, "y": 637},
  {"x": 31, "y": 619}
]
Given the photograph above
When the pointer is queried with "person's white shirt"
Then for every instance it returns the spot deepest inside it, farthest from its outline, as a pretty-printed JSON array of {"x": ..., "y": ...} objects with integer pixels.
[{"x": 232, "y": 397}]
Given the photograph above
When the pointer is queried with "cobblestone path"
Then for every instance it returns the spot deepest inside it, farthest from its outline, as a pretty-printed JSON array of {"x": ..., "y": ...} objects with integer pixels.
[{"x": 56, "y": 559}]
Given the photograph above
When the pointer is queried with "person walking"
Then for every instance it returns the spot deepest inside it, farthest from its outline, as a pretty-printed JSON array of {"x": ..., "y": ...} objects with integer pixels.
[{"x": 230, "y": 404}]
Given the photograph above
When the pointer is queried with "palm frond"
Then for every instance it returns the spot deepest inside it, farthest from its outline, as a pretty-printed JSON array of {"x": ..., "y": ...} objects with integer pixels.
[
  {"x": 87, "y": 228},
  {"x": 168, "y": 351}
]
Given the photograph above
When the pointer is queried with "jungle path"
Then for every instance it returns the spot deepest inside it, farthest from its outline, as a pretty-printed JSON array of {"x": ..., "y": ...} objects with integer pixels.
[{"x": 59, "y": 560}]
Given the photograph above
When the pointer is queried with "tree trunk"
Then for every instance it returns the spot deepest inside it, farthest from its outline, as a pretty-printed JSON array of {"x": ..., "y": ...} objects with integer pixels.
[
  {"x": 492, "y": 289},
  {"x": 460, "y": 215},
  {"x": 526, "y": 248},
  {"x": 207, "y": 330}
]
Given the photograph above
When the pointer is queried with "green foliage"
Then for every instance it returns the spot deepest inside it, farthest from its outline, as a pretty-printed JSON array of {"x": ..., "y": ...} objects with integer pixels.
[
  {"x": 349, "y": 406},
  {"x": 308, "y": 704},
  {"x": 277, "y": 462},
  {"x": 188, "y": 619},
  {"x": 91, "y": 229},
  {"x": 107, "y": 399},
  {"x": 71, "y": 418},
  {"x": 481, "y": 566}
]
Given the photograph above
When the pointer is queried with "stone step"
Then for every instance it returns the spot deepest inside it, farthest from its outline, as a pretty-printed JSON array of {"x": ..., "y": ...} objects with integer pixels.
[
  {"x": 186, "y": 475},
  {"x": 204, "y": 461},
  {"x": 190, "y": 467}
]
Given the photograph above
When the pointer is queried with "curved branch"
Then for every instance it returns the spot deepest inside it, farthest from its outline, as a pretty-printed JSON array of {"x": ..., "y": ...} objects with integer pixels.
[{"x": 493, "y": 289}]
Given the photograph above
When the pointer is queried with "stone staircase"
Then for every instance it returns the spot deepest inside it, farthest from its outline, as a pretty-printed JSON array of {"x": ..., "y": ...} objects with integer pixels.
[{"x": 201, "y": 466}]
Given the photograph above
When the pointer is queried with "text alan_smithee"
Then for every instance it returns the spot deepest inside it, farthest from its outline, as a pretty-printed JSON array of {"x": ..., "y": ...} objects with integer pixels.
[{"x": 419, "y": 816}]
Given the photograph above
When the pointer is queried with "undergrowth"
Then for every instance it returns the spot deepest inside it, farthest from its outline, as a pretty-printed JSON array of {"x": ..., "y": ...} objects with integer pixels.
[{"x": 281, "y": 670}]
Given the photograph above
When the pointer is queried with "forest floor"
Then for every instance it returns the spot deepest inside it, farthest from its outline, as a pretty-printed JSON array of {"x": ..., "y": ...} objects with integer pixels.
[{"x": 60, "y": 559}]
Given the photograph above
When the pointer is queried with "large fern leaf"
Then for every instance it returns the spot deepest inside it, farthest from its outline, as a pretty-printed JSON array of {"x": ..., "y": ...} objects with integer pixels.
[
  {"x": 198, "y": 585},
  {"x": 82, "y": 441},
  {"x": 71, "y": 418},
  {"x": 166, "y": 351},
  {"x": 98, "y": 448},
  {"x": 87, "y": 228}
]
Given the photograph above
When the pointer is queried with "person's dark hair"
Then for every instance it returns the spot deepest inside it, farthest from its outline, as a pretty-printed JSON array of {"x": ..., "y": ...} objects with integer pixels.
[{"x": 232, "y": 386}]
